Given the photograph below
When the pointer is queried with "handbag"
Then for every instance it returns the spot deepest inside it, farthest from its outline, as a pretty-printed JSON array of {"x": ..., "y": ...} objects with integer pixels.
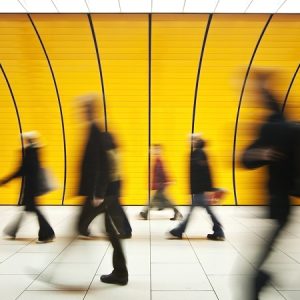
[{"x": 46, "y": 182}]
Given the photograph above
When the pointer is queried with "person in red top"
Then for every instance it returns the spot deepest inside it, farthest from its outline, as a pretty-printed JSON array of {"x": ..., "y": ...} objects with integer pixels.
[{"x": 159, "y": 183}]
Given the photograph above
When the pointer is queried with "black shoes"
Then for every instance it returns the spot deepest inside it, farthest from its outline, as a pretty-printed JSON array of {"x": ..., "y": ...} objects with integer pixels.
[
  {"x": 216, "y": 237},
  {"x": 177, "y": 216},
  {"x": 112, "y": 278},
  {"x": 86, "y": 235},
  {"x": 46, "y": 240},
  {"x": 175, "y": 234},
  {"x": 125, "y": 236},
  {"x": 143, "y": 215},
  {"x": 261, "y": 280}
]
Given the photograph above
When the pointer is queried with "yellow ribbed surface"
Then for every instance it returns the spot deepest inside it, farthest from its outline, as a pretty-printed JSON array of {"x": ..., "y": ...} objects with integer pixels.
[
  {"x": 24, "y": 62},
  {"x": 176, "y": 47},
  {"x": 230, "y": 44},
  {"x": 123, "y": 44},
  {"x": 9, "y": 139},
  {"x": 279, "y": 49}
]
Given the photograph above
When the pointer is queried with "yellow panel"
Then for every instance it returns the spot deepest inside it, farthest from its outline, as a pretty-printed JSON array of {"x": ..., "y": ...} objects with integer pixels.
[
  {"x": 176, "y": 47},
  {"x": 217, "y": 96},
  {"x": 26, "y": 67},
  {"x": 279, "y": 49},
  {"x": 76, "y": 71},
  {"x": 10, "y": 144},
  {"x": 123, "y": 46}
]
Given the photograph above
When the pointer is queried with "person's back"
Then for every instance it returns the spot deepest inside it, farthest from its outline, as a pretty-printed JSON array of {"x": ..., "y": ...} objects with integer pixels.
[{"x": 200, "y": 176}]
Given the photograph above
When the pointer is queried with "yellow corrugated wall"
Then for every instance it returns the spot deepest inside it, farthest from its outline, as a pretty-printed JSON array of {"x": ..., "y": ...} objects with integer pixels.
[{"x": 199, "y": 63}]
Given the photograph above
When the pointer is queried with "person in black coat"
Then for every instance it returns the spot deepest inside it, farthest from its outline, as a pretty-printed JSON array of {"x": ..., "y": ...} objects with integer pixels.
[
  {"x": 272, "y": 148},
  {"x": 29, "y": 170},
  {"x": 95, "y": 186},
  {"x": 201, "y": 187}
]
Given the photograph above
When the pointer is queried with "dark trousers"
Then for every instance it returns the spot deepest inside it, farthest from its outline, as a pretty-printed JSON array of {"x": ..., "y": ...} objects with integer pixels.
[
  {"x": 118, "y": 260},
  {"x": 45, "y": 231},
  {"x": 88, "y": 214},
  {"x": 111, "y": 203},
  {"x": 161, "y": 201},
  {"x": 200, "y": 201},
  {"x": 261, "y": 278},
  {"x": 112, "y": 222}
]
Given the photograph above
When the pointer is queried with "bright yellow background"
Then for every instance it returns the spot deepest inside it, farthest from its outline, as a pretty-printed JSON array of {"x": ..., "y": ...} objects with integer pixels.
[{"x": 123, "y": 43}]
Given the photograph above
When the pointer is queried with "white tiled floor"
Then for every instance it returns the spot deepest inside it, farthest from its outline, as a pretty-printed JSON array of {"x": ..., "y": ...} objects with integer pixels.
[{"x": 159, "y": 268}]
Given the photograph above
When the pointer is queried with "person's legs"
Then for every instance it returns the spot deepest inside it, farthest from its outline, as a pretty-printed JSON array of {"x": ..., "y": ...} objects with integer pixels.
[
  {"x": 87, "y": 215},
  {"x": 261, "y": 277},
  {"x": 218, "y": 233},
  {"x": 165, "y": 202},
  {"x": 12, "y": 228},
  {"x": 125, "y": 229},
  {"x": 119, "y": 274},
  {"x": 153, "y": 203},
  {"x": 46, "y": 233},
  {"x": 180, "y": 229}
]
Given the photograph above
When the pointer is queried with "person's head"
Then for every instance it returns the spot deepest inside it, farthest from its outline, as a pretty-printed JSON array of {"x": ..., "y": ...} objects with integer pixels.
[
  {"x": 197, "y": 141},
  {"x": 31, "y": 138},
  {"x": 88, "y": 106},
  {"x": 263, "y": 80},
  {"x": 156, "y": 150}
]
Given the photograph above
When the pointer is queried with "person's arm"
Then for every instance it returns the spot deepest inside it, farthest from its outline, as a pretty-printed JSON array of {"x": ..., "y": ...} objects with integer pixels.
[
  {"x": 260, "y": 153},
  {"x": 18, "y": 173}
]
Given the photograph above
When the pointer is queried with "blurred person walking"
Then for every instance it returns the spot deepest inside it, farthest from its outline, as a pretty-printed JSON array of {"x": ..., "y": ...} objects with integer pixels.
[
  {"x": 30, "y": 169},
  {"x": 273, "y": 148},
  {"x": 160, "y": 182},
  {"x": 95, "y": 184},
  {"x": 201, "y": 188}
]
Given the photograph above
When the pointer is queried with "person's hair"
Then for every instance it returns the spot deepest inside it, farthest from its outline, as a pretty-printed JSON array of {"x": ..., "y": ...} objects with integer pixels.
[
  {"x": 157, "y": 146},
  {"x": 200, "y": 143}
]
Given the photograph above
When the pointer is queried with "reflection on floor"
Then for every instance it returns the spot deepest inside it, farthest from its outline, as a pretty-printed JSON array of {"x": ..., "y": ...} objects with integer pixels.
[{"x": 189, "y": 269}]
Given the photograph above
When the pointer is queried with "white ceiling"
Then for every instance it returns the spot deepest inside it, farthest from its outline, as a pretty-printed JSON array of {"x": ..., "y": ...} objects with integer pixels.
[{"x": 148, "y": 6}]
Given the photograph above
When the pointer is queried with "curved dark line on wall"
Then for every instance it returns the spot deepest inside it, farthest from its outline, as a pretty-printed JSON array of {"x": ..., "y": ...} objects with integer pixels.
[
  {"x": 199, "y": 71},
  {"x": 289, "y": 89},
  {"x": 149, "y": 100},
  {"x": 19, "y": 123},
  {"x": 59, "y": 104},
  {"x": 239, "y": 107},
  {"x": 100, "y": 69}
]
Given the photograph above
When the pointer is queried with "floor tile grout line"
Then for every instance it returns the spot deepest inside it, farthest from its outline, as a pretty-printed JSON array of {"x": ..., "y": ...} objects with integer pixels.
[
  {"x": 18, "y": 251},
  {"x": 184, "y": 290},
  {"x": 150, "y": 253},
  {"x": 26, "y": 289},
  {"x": 206, "y": 275},
  {"x": 274, "y": 247},
  {"x": 96, "y": 273},
  {"x": 281, "y": 294},
  {"x": 251, "y": 263}
]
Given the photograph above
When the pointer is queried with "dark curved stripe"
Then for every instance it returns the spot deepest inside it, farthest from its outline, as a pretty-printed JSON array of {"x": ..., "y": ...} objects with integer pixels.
[
  {"x": 149, "y": 100},
  {"x": 19, "y": 122},
  {"x": 59, "y": 104},
  {"x": 199, "y": 71},
  {"x": 100, "y": 68},
  {"x": 289, "y": 89},
  {"x": 239, "y": 107}
]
